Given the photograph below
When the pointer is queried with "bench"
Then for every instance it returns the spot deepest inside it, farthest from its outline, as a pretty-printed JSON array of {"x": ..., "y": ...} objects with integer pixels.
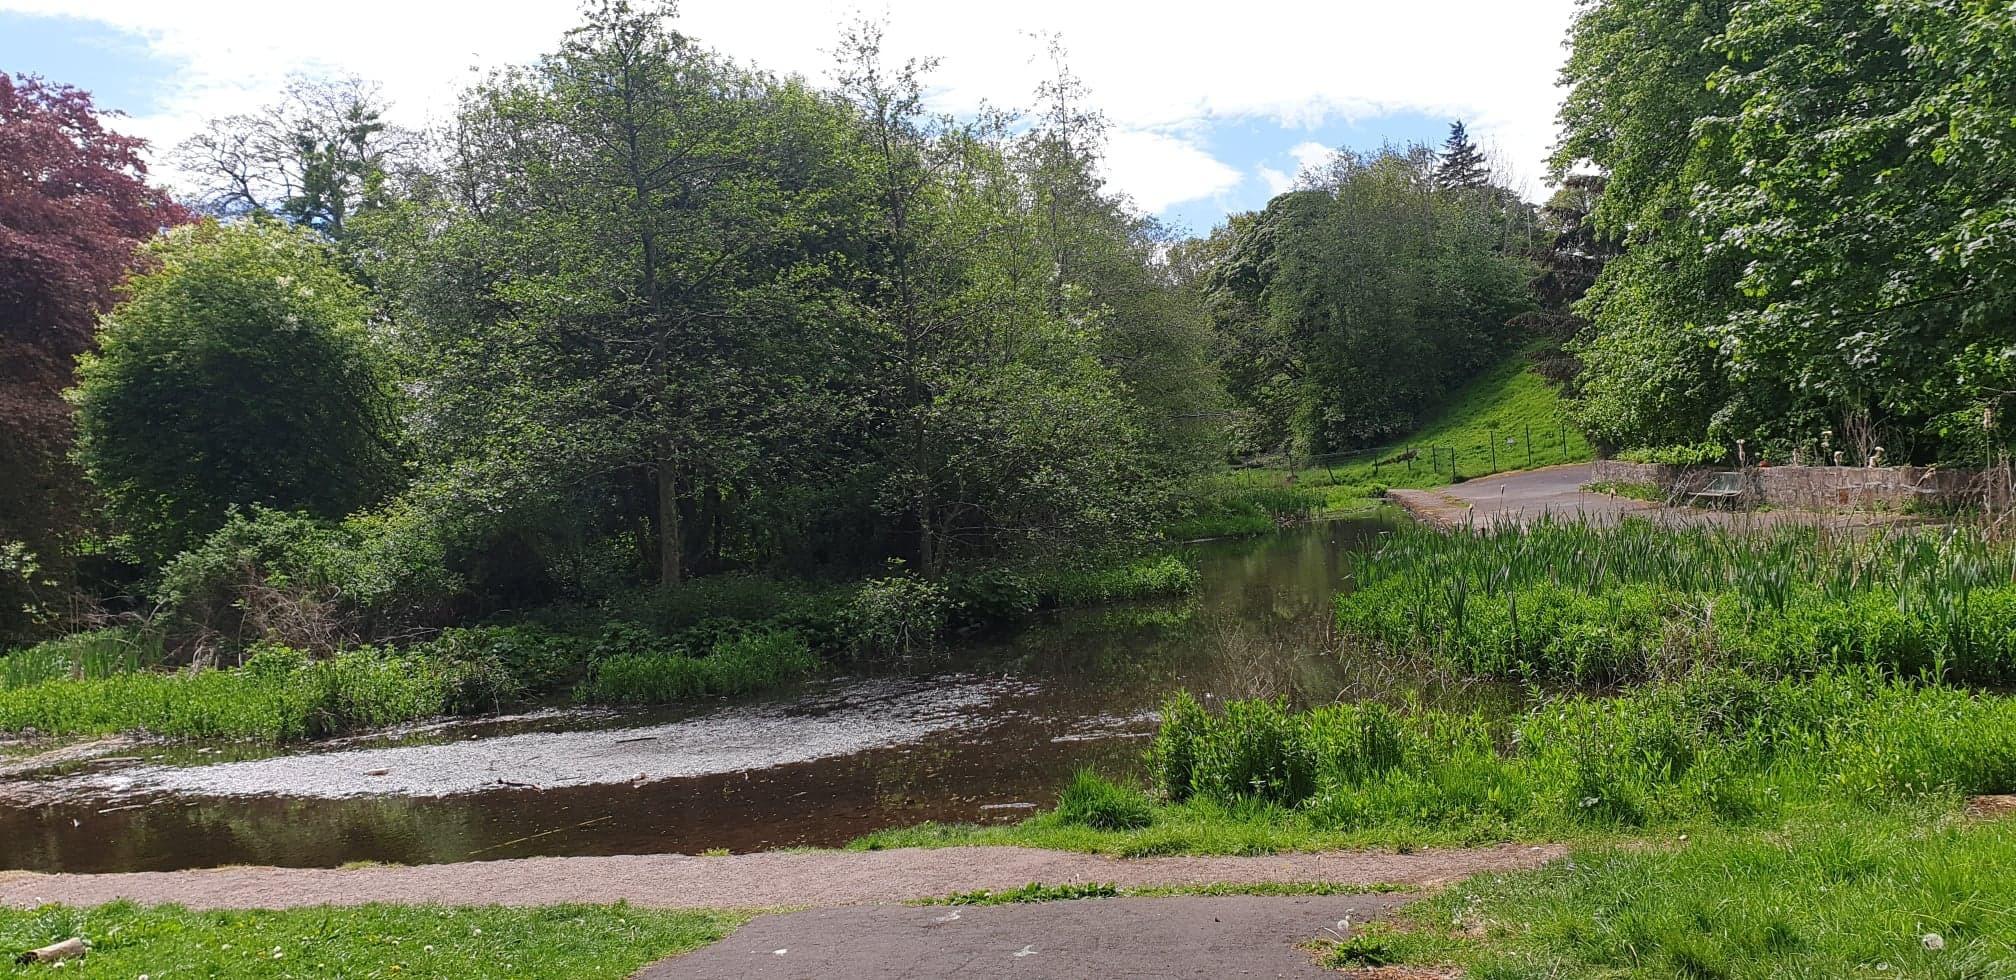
[{"x": 1724, "y": 486}]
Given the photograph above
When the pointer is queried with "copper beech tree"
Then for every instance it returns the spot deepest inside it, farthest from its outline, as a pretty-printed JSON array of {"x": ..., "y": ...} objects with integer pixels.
[{"x": 74, "y": 205}]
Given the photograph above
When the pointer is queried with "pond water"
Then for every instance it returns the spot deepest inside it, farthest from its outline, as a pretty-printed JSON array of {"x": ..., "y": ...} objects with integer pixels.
[{"x": 986, "y": 734}]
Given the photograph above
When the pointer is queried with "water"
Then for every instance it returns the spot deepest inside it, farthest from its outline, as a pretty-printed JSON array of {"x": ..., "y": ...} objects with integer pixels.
[{"x": 986, "y": 735}]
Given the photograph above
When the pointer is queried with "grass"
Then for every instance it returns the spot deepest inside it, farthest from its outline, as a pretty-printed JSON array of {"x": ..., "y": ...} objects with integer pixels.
[
  {"x": 1649, "y": 492},
  {"x": 1715, "y": 749},
  {"x": 1154, "y": 576},
  {"x": 1466, "y": 440},
  {"x": 81, "y": 656},
  {"x": 736, "y": 665},
  {"x": 1845, "y": 894},
  {"x": 579, "y": 941},
  {"x": 1039, "y": 892},
  {"x": 1579, "y": 602}
]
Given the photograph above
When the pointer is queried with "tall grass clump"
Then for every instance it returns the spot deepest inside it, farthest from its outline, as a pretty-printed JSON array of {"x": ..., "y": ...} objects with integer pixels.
[
  {"x": 734, "y": 666},
  {"x": 1575, "y": 601},
  {"x": 1144, "y": 578},
  {"x": 1717, "y": 746},
  {"x": 82, "y": 656},
  {"x": 1093, "y": 801}
]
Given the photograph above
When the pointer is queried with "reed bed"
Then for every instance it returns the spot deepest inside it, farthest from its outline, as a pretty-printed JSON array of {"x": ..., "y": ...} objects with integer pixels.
[{"x": 1580, "y": 602}]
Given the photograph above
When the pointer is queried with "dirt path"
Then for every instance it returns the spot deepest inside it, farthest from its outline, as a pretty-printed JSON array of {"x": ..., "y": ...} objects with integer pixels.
[
  {"x": 762, "y": 880},
  {"x": 1096, "y": 938}
]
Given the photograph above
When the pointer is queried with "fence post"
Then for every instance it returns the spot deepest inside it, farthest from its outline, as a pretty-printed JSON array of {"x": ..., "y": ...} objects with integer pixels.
[
  {"x": 1529, "y": 445},
  {"x": 1492, "y": 434}
]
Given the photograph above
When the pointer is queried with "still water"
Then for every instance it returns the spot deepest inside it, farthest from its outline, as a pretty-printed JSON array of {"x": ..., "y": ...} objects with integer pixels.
[{"x": 986, "y": 734}]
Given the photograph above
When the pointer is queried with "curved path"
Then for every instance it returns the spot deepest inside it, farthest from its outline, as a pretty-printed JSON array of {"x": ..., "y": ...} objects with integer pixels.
[
  {"x": 1093, "y": 939},
  {"x": 1556, "y": 491},
  {"x": 769, "y": 879}
]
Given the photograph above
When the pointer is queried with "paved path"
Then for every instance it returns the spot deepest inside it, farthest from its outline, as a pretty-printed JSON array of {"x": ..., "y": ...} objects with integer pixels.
[
  {"x": 1556, "y": 491},
  {"x": 1094, "y": 938},
  {"x": 769, "y": 879}
]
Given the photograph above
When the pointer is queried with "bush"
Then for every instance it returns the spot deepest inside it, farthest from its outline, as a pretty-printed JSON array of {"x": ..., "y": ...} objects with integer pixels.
[
  {"x": 1698, "y": 454},
  {"x": 1092, "y": 801},
  {"x": 898, "y": 615},
  {"x": 238, "y": 371},
  {"x": 1144, "y": 578},
  {"x": 82, "y": 656}
]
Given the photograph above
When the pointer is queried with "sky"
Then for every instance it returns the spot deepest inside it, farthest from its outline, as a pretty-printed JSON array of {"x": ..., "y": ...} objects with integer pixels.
[{"x": 1214, "y": 107}]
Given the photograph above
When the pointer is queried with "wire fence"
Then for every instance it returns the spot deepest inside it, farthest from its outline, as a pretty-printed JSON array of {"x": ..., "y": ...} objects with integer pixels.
[{"x": 1503, "y": 448}]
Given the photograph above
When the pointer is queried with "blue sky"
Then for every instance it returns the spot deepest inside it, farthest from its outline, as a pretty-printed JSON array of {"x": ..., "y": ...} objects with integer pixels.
[
  {"x": 116, "y": 66},
  {"x": 1213, "y": 108}
]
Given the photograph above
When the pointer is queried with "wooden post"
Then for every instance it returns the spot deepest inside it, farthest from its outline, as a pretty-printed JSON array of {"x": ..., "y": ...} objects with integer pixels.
[
  {"x": 1529, "y": 445},
  {"x": 1492, "y": 434}
]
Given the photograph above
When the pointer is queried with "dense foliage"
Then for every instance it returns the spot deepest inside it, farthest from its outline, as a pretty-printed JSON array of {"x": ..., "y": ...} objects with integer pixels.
[
  {"x": 236, "y": 372},
  {"x": 1816, "y": 204},
  {"x": 74, "y": 205},
  {"x": 1347, "y": 310}
]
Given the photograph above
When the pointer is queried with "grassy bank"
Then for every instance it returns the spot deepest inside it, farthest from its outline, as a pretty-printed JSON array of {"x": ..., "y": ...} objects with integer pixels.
[
  {"x": 365, "y": 941},
  {"x": 1572, "y": 601},
  {"x": 1715, "y": 748},
  {"x": 1508, "y": 418},
  {"x": 726, "y": 635},
  {"x": 1837, "y": 895}
]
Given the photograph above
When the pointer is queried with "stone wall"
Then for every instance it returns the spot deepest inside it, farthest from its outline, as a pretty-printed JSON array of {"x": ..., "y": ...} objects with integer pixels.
[{"x": 1809, "y": 487}]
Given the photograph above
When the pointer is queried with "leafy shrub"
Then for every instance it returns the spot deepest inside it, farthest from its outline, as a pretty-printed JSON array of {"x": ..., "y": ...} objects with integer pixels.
[
  {"x": 1697, "y": 454},
  {"x": 897, "y": 615},
  {"x": 1092, "y": 801}
]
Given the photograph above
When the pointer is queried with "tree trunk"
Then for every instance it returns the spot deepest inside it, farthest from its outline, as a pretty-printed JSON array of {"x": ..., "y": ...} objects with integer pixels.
[{"x": 671, "y": 544}]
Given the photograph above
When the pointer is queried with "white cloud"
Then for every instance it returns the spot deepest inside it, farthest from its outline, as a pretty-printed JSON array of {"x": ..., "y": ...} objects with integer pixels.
[
  {"x": 1158, "y": 170},
  {"x": 1277, "y": 182},
  {"x": 1155, "y": 68},
  {"x": 1311, "y": 155}
]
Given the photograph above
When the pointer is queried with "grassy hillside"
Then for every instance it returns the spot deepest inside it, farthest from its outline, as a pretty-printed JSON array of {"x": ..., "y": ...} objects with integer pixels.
[{"x": 1508, "y": 418}]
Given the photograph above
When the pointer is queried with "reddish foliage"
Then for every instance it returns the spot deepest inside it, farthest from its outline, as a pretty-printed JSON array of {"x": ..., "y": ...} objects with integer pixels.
[{"x": 74, "y": 205}]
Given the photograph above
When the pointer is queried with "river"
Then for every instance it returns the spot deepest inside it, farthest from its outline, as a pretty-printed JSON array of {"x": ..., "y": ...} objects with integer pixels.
[{"x": 987, "y": 733}]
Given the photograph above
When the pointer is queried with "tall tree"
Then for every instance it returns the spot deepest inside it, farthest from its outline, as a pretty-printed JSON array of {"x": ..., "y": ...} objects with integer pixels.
[
  {"x": 1461, "y": 164},
  {"x": 74, "y": 206},
  {"x": 316, "y": 157}
]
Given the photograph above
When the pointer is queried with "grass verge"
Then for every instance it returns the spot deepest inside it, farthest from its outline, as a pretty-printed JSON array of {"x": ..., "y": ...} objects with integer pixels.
[
  {"x": 1585, "y": 603},
  {"x": 1907, "y": 894},
  {"x": 575, "y": 941},
  {"x": 1718, "y": 748}
]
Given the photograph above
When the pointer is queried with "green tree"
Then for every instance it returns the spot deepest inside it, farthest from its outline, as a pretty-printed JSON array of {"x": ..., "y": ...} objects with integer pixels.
[
  {"x": 1357, "y": 304},
  {"x": 237, "y": 372},
  {"x": 317, "y": 157},
  {"x": 1461, "y": 164}
]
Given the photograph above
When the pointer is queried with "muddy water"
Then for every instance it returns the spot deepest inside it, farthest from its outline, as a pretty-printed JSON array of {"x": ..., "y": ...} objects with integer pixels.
[{"x": 984, "y": 735}]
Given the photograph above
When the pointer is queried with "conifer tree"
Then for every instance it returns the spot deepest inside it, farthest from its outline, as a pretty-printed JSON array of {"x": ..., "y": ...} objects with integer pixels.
[{"x": 1462, "y": 164}]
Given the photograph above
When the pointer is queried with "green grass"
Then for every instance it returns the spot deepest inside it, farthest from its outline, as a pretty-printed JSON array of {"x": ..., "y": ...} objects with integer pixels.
[
  {"x": 1715, "y": 749},
  {"x": 1649, "y": 492},
  {"x": 1574, "y": 601},
  {"x": 570, "y": 942},
  {"x": 736, "y": 665},
  {"x": 1154, "y": 576},
  {"x": 83, "y": 656},
  {"x": 1466, "y": 439},
  {"x": 1907, "y": 894}
]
